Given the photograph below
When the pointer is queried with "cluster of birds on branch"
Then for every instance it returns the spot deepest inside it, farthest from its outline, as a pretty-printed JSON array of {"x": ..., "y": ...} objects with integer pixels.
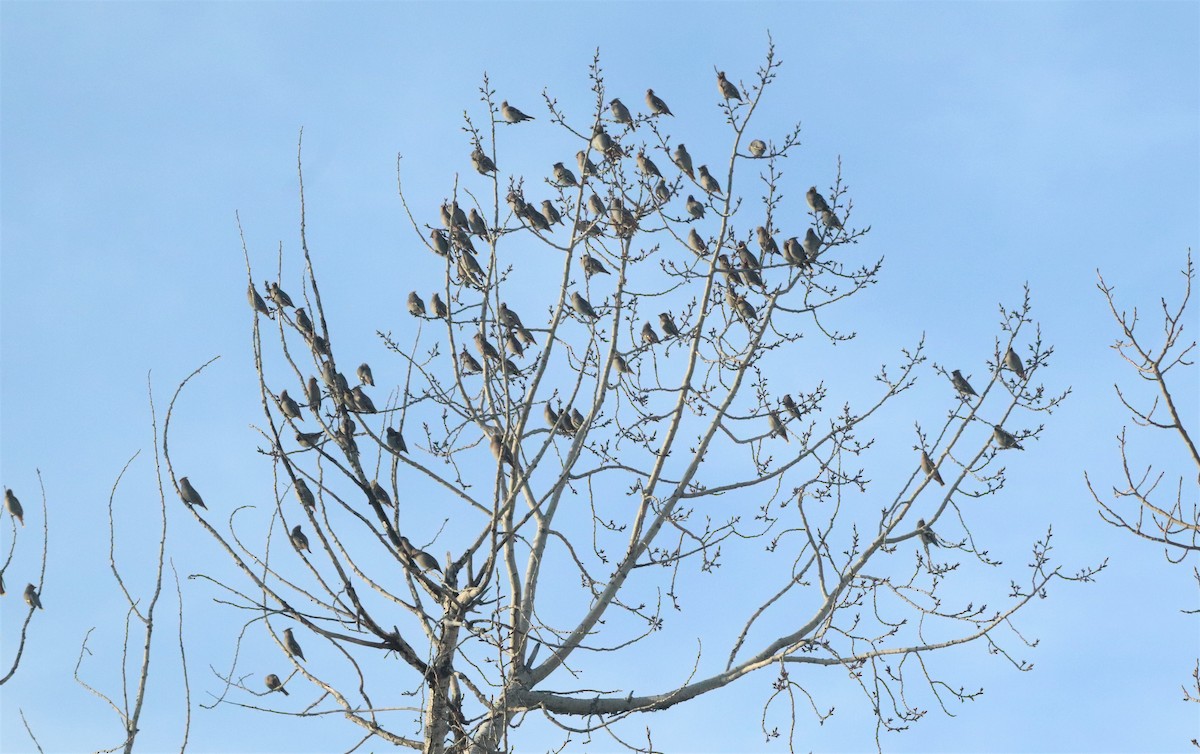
[{"x": 32, "y": 597}]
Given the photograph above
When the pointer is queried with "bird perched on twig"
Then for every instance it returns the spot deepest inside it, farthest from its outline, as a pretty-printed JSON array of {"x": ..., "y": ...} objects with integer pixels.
[
  {"x": 274, "y": 684},
  {"x": 304, "y": 324},
  {"x": 467, "y": 363},
  {"x": 815, "y": 200},
  {"x": 380, "y": 494},
  {"x": 364, "y": 374},
  {"x": 288, "y": 406},
  {"x": 14, "y": 506},
  {"x": 550, "y": 212},
  {"x": 758, "y": 148},
  {"x": 766, "y": 242},
  {"x": 791, "y": 406},
  {"x": 305, "y": 494},
  {"x": 662, "y": 192},
  {"x": 1013, "y": 362},
  {"x": 189, "y": 494},
  {"x": 728, "y": 90},
  {"x": 708, "y": 183},
  {"x": 620, "y": 365},
  {"x": 927, "y": 535},
  {"x": 696, "y": 243},
  {"x": 831, "y": 219},
  {"x": 438, "y": 242},
  {"x": 563, "y": 176},
  {"x": 312, "y": 391},
  {"x": 309, "y": 439},
  {"x": 592, "y": 266},
  {"x": 930, "y": 469},
  {"x": 512, "y": 114},
  {"x": 683, "y": 160},
  {"x": 777, "y": 428},
  {"x": 256, "y": 301},
  {"x": 439, "y": 307},
  {"x": 1004, "y": 440},
  {"x": 423, "y": 560},
  {"x": 668, "y": 325},
  {"x": 291, "y": 645},
  {"x": 649, "y": 337},
  {"x": 416, "y": 306},
  {"x": 621, "y": 113},
  {"x": 694, "y": 208},
  {"x": 483, "y": 164},
  {"x": 656, "y": 105},
  {"x": 299, "y": 540},
  {"x": 485, "y": 347},
  {"x": 395, "y": 440},
  {"x": 32, "y": 598},
  {"x": 586, "y": 166},
  {"x": 476, "y": 225},
  {"x": 500, "y": 450},
  {"x": 277, "y": 294},
  {"x": 812, "y": 244},
  {"x": 582, "y": 306},
  {"x": 961, "y": 385}
]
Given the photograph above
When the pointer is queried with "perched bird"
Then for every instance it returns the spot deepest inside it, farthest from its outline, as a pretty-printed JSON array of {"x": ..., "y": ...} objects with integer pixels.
[
  {"x": 683, "y": 160},
  {"x": 485, "y": 347},
  {"x": 364, "y": 374},
  {"x": 576, "y": 419},
  {"x": 550, "y": 212},
  {"x": 765, "y": 242},
  {"x": 694, "y": 208},
  {"x": 440, "y": 245},
  {"x": 961, "y": 385},
  {"x": 476, "y": 225},
  {"x": 320, "y": 346},
  {"x": 395, "y": 440},
  {"x": 525, "y": 337},
  {"x": 815, "y": 200},
  {"x": 656, "y": 105},
  {"x": 777, "y": 428},
  {"x": 582, "y": 307},
  {"x": 256, "y": 301},
  {"x": 483, "y": 164},
  {"x": 647, "y": 166},
  {"x": 668, "y": 325},
  {"x": 276, "y": 294},
  {"x": 535, "y": 219},
  {"x": 564, "y": 176},
  {"x": 439, "y": 307},
  {"x": 596, "y": 206},
  {"x": 746, "y": 257},
  {"x": 512, "y": 114},
  {"x": 288, "y": 406},
  {"x": 362, "y": 402},
  {"x": 509, "y": 367},
  {"x": 513, "y": 345},
  {"x": 696, "y": 243},
  {"x": 586, "y": 166},
  {"x": 622, "y": 219},
  {"x": 291, "y": 645},
  {"x": 649, "y": 337},
  {"x": 726, "y": 269},
  {"x": 299, "y": 540},
  {"x": 750, "y": 277},
  {"x": 446, "y": 215},
  {"x": 461, "y": 239},
  {"x": 305, "y": 494},
  {"x": 744, "y": 309},
  {"x": 189, "y": 494},
  {"x": 500, "y": 450},
  {"x": 274, "y": 684},
  {"x": 312, "y": 391},
  {"x": 308, "y": 439},
  {"x": 758, "y": 148},
  {"x": 1004, "y": 440},
  {"x": 620, "y": 365},
  {"x": 601, "y": 141},
  {"x": 621, "y": 113},
  {"x": 14, "y": 506},
  {"x": 467, "y": 363},
  {"x": 708, "y": 183},
  {"x": 662, "y": 192},
  {"x": 304, "y": 324},
  {"x": 794, "y": 253},
  {"x": 812, "y": 244},
  {"x": 791, "y": 407},
  {"x": 508, "y": 317},
  {"x": 458, "y": 218},
  {"x": 831, "y": 219},
  {"x": 380, "y": 494},
  {"x": 550, "y": 415},
  {"x": 728, "y": 90},
  {"x": 926, "y": 534},
  {"x": 930, "y": 470},
  {"x": 592, "y": 266},
  {"x": 468, "y": 267},
  {"x": 32, "y": 598},
  {"x": 416, "y": 306},
  {"x": 422, "y": 559},
  {"x": 1013, "y": 362}
]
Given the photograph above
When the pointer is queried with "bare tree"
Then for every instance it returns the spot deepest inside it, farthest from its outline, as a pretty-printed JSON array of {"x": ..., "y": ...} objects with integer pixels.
[
  {"x": 1167, "y": 514},
  {"x": 602, "y": 395}
]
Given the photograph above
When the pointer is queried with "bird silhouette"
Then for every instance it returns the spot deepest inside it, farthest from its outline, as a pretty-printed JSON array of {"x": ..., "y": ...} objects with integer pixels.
[
  {"x": 364, "y": 374},
  {"x": 189, "y": 494},
  {"x": 14, "y": 506},
  {"x": 694, "y": 208},
  {"x": 291, "y": 645},
  {"x": 647, "y": 166},
  {"x": 274, "y": 684},
  {"x": 592, "y": 266},
  {"x": 961, "y": 385},
  {"x": 32, "y": 598},
  {"x": 439, "y": 307},
  {"x": 483, "y": 164},
  {"x": 668, "y": 325},
  {"x": 467, "y": 363},
  {"x": 395, "y": 440},
  {"x": 649, "y": 337},
  {"x": 416, "y": 306},
  {"x": 288, "y": 406},
  {"x": 708, "y": 183},
  {"x": 299, "y": 541},
  {"x": 728, "y": 90},
  {"x": 305, "y": 494},
  {"x": 930, "y": 469},
  {"x": 1004, "y": 440},
  {"x": 1013, "y": 362},
  {"x": 256, "y": 301}
]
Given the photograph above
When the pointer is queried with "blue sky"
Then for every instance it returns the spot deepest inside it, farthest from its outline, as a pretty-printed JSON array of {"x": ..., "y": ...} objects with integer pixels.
[{"x": 987, "y": 144}]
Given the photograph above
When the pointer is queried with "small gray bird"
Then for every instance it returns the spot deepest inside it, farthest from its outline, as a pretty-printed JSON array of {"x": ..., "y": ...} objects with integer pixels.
[
  {"x": 509, "y": 318},
  {"x": 694, "y": 208},
  {"x": 189, "y": 494},
  {"x": 620, "y": 364},
  {"x": 662, "y": 192},
  {"x": 708, "y": 183},
  {"x": 696, "y": 243},
  {"x": 416, "y": 306},
  {"x": 563, "y": 176},
  {"x": 395, "y": 440},
  {"x": 656, "y": 105},
  {"x": 961, "y": 385},
  {"x": 683, "y": 160},
  {"x": 304, "y": 324},
  {"x": 439, "y": 307},
  {"x": 446, "y": 215},
  {"x": 312, "y": 391},
  {"x": 476, "y": 225},
  {"x": 582, "y": 307},
  {"x": 744, "y": 309},
  {"x": 726, "y": 269},
  {"x": 728, "y": 90},
  {"x": 440, "y": 245},
  {"x": 647, "y": 166},
  {"x": 586, "y": 166},
  {"x": 364, "y": 374},
  {"x": 308, "y": 439},
  {"x": 423, "y": 560},
  {"x": 458, "y": 217},
  {"x": 468, "y": 267},
  {"x": 14, "y": 506},
  {"x": 380, "y": 494},
  {"x": 766, "y": 242},
  {"x": 485, "y": 348},
  {"x": 815, "y": 200},
  {"x": 276, "y": 294},
  {"x": 362, "y": 402},
  {"x": 649, "y": 337},
  {"x": 812, "y": 244},
  {"x": 831, "y": 219},
  {"x": 256, "y": 301},
  {"x": 576, "y": 419},
  {"x": 550, "y": 212},
  {"x": 592, "y": 266},
  {"x": 461, "y": 239},
  {"x": 512, "y": 114},
  {"x": 304, "y": 493},
  {"x": 1013, "y": 362},
  {"x": 483, "y": 164},
  {"x": 516, "y": 203},
  {"x": 746, "y": 257},
  {"x": 758, "y": 148},
  {"x": 793, "y": 252},
  {"x": 536, "y": 219},
  {"x": 601, "y": 141},
  {"x": 926, "y": 534},
  {"x": 525, "y": 337},
  {"x": 274, "y": 684},
  {"x": 513, "y": 345},
  {"x": 32, "y": 598},
  {"x": 1004, "y": 440},
  {"x": 467, "y": 363},
  {"x": 500, "y": 450},
  {"x": 596, "y": 206},
  {"x": 289, "y": 407},
  {"x": 668, "y": 325},
  {"x": 550, "y": 415},
  {"x": 791, "y": 406},
  {"x": 320, "y": 346},
  {"x": 299, "y": 540},
  {"x": 777, "y": 428},
  {"x": 750, "y": 277},
  {"x": 621, "y": 113},
  {"x": 930, "y": 469},
  {"x": 291, "y": 645},
  {"x": 509, "y": 367}
]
